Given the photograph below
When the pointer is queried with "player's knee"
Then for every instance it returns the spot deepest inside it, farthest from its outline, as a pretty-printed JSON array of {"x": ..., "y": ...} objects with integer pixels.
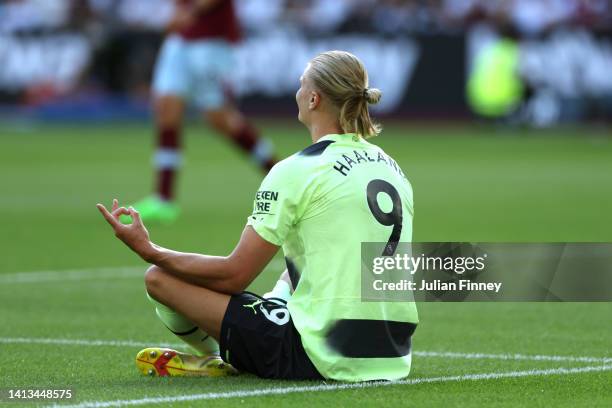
[
  {"x": 225, "y": 120},
  {"x": 168, "y": 120},
  {"x": 168, "y": 112},
  {"x": 216, "y": 119},
  {"x": 154, "y": 277}
]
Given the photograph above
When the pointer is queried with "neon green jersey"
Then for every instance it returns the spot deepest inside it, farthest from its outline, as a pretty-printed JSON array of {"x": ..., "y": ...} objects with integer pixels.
[{"x": 320, "y": 204}]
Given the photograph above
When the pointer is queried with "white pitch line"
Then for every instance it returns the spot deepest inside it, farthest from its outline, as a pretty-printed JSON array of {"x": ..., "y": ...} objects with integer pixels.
[
  {"x": 81, "y": 342},
  {"x": 73, "y": 275},
  {"x": 517, "y": 357},
  {"x": 468, "y": 356},
  {"x": 336, "y": 387},
  {"x": 123, "y": 272}
]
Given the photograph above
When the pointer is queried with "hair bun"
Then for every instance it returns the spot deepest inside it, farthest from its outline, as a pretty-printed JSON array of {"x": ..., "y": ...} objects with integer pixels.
[{"x": 372, "y": 95}]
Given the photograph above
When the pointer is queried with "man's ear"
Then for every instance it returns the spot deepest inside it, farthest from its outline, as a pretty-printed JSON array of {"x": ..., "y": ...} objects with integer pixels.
[{"x": 314, "y": 101}]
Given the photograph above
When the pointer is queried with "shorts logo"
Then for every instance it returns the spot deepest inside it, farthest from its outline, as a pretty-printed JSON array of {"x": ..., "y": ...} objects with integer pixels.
[
  {"x": 253, "y": 305},
  {"x": 275, "y": 311}
]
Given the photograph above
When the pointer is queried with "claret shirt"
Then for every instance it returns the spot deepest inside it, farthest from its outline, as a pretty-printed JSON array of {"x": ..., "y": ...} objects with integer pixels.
[{"x": 219, "y": 22}]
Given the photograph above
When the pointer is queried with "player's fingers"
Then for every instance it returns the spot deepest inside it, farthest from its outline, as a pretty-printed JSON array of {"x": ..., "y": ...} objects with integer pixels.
[
  {"x": 108, "y": 216},
  {"x": 120, "y": 211},
  {"x": 135, "y": 216},
  {"x": 115, "y": 205}
]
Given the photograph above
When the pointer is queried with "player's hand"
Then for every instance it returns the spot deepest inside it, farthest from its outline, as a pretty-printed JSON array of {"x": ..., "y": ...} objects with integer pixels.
[{"x": 134, "y": 235}]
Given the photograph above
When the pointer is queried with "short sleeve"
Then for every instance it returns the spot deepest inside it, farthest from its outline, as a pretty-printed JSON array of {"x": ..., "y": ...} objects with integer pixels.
[{"x": 277, "y": 203}]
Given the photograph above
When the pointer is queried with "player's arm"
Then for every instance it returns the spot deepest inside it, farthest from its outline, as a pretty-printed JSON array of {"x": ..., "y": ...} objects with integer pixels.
[
  {"x": 230, "y": 274},
  {"x": 227, "y": 274}
]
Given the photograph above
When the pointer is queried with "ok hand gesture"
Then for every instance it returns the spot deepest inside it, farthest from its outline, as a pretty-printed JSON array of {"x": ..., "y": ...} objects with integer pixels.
[{"x": 134, "y": 235}]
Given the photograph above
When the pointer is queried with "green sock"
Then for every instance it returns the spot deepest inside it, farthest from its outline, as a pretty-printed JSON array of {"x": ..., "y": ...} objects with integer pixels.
[{"x": 185, "y": 330}]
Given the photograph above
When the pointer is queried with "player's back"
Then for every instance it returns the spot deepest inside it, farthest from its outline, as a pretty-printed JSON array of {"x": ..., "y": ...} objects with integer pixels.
[
  {"x": 321, "y": 204},
  {"x": 362, "y": 194}
]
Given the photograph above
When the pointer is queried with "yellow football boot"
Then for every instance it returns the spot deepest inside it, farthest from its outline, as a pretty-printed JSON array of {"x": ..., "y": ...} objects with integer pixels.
[{"x": 162, "y": 362}]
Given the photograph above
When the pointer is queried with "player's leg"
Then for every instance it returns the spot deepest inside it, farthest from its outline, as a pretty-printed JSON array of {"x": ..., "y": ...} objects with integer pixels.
[
  {"x": 191, "y": 312},
  {"x": 256, "y": 334},
  {"x": 186, "y": 330},
  {"x": 204, "y": 307},
  {"x": 169, "y": 110},
  {"x": 210, "y": 63},
  {"x": 231, "y": 123},
  {"x": 170, "y": 89}
]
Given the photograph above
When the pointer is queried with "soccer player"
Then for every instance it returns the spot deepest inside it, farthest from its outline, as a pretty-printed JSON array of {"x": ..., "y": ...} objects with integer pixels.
[
  {"x": 319, "y": 205},
  {"x": 192, "y": 65}
]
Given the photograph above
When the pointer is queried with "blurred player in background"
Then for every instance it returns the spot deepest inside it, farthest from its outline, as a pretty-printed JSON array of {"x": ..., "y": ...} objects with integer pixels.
[{"x": 193, "y": 63}]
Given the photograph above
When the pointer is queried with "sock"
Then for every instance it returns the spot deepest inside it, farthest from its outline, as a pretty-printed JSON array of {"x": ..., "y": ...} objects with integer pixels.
[
  {"x": 281, "y": 290},
  {"x": 261, "y": 150},
  {"x": 167, "y": 161},
  {"x": 185, "y": 330}
]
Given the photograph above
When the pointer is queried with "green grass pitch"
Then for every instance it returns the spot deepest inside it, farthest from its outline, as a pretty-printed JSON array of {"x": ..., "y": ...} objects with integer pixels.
[{"x": 67, "y": 323}]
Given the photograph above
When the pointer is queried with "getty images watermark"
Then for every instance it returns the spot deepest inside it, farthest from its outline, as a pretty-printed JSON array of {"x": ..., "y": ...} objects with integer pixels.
[
  {"x": 412, "y": 264},
  {"x": 486, "y": 272}
]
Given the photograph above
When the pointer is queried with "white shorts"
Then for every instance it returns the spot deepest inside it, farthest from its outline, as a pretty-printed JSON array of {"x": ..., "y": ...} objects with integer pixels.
[{"x": 194, "y": 70}]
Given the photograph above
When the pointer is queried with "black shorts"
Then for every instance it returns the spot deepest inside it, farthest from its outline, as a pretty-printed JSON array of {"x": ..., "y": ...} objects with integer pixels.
[{"x": 258, "y": 336}]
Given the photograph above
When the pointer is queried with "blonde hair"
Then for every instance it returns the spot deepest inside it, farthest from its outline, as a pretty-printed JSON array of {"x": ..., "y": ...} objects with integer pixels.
[{"x": 342, "y": 77}]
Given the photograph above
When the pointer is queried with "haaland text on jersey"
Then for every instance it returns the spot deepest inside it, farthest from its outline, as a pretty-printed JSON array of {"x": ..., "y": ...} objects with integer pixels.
[{"x": 346, "y": 163}]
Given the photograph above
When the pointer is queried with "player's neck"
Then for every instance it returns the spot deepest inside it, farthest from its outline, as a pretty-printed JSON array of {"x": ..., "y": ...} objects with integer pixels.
[{"x": 317, "y": 131}]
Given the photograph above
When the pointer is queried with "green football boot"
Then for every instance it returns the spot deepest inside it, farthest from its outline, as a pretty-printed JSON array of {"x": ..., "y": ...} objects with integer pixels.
[{"x": 153, "y": 210}]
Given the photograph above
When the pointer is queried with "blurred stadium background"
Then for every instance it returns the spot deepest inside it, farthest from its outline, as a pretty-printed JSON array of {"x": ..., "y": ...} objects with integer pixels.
[
  {"x": 498, "y": 111},
  {"x": 92, "y": 59}
]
